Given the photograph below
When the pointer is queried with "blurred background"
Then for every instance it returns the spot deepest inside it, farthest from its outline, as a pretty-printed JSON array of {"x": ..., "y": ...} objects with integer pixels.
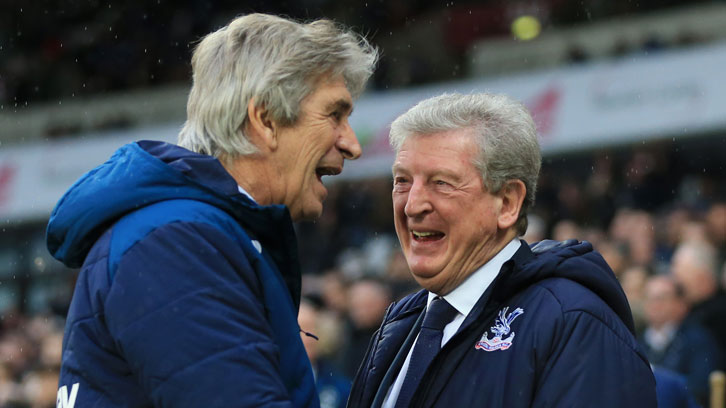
[{"x": 629, "y": 99}]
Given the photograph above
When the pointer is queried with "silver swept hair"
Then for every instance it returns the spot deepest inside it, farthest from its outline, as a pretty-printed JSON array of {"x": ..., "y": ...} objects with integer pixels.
[
  {"x": 505, "y": 133},
  {"x": 273, "y": 60}
]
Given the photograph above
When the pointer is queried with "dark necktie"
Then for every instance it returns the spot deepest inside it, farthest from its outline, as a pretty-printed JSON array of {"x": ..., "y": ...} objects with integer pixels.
[{"x": 439, "y": 314}]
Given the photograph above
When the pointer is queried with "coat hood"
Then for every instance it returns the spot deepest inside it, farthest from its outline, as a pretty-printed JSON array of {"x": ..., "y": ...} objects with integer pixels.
[
  {"x": 573, "y": 260},
  {"x": 139, "y": 174}
]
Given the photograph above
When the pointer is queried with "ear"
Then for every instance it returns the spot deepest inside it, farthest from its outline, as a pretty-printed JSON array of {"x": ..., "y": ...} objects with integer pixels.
[
  {"x": 261, "y": 130},
  {"x": 512, "y": 196}
]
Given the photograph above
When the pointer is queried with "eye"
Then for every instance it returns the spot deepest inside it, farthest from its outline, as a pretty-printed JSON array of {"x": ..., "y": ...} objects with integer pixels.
[
  {"x": 400, "y": 183},
  {"x": 337, "y": 115},
  {"x": 443, "y": 185}
]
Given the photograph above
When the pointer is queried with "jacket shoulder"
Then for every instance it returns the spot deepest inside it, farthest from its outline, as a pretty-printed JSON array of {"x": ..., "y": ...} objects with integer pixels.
[
  {"x": 575, "y": 299},
  {"x": 136, "y": 225},
  {"x": 571, "y": 295}
]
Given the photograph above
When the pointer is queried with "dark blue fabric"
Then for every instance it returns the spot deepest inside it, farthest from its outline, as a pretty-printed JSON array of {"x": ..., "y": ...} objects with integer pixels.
[
  {"x": 574, "y": 344},
  {"x": 333, "y": 387},
  {"x": 671, "y": 389},
  {"x": 174, "y": 305}
]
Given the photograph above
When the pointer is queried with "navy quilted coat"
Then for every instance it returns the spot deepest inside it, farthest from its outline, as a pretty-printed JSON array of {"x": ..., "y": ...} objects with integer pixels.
[
  {"x": 553, "y": 330},
  {"x": 188, "y": 291}
]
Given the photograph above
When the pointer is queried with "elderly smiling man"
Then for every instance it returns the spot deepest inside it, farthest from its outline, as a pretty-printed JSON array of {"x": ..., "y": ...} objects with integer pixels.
[
  {"x": 189, "y": 286},
  {"x": 498, "y": 324}
]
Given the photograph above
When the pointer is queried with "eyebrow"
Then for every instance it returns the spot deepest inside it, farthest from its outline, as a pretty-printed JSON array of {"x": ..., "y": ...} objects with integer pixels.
[
  {"x": 436, "y": 173},
  {"x": 342, "y": 104}
]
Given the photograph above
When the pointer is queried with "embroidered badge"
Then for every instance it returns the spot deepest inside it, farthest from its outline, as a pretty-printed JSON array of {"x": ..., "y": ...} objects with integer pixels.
[{"x": 500, "y": 329}]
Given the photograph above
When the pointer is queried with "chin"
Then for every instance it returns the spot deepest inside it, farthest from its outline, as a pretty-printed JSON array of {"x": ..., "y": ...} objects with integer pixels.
[
  {"x": 306, "y": 216},
  {"x": 433, "y": 285},
  {"x": 310, "y": 213},
  {"x": 423, "y": 274},
  {"x": 431, "y": 278}
]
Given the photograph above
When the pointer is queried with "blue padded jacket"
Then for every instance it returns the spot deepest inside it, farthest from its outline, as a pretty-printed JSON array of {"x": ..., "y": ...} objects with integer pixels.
[
  {"x": 574, "y": 343},
  {"x": 188, "y": 291}
]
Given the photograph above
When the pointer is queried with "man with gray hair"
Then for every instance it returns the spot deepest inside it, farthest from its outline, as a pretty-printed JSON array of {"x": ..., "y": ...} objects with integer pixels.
[
  {"x": 189, "y": 285},
  {"x": 695, "y": 267},
  {"x": 464, "y": 178}
]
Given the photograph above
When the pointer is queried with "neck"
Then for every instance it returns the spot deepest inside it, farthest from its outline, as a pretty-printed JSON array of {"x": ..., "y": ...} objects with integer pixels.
[
  {"x": 661, "y": 327},
  {"x": 254, "y": 173}
]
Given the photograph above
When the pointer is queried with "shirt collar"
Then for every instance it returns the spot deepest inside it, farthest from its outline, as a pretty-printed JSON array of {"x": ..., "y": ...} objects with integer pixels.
[
  {"x": 464, "y": 297},
  {"x": 243, "y": 191}
]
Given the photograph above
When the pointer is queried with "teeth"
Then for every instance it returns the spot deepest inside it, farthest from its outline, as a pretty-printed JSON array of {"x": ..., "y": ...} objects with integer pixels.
[{"x": 423, "y": 234}]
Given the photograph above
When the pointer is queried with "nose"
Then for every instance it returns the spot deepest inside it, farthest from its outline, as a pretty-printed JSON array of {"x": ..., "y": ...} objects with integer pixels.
[
  {"x": 417, "y": 201},
  {"x": 347, "y": 143}
]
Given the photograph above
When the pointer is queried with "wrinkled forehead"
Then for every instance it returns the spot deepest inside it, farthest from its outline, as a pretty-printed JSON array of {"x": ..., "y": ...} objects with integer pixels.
[{"x": 328, "y": 94}]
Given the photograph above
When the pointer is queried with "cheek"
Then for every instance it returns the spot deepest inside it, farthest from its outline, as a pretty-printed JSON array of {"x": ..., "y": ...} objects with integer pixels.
[
  {"x": 324, "y": 140},
  {"x": 399, "y": 203},
  {"x": 476, "y": 225},
  {"x": 483, "y": 215},
  {"x": 399, "y": 217}
]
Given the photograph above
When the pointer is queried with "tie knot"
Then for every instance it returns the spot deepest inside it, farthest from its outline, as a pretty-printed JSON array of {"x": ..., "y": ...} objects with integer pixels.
[{"x": 439, "y": 314}]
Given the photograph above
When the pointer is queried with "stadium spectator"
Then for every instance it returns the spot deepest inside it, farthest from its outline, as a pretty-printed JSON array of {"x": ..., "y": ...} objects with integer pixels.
[
  {"x": 334, "y": 292},
  {"x": 633, "y": 280},
  {"x": 716, "y": 224},
  {"x": 615, "y": 256},
  {"x": 669, "y": 342},
  {"x": 368, "y": 299},
  {"x": 333, "y": 387},
  {"x": 694, "y": 266},
  {"x": 565, "y": 229},
  {"x": 398, "y": 276}
]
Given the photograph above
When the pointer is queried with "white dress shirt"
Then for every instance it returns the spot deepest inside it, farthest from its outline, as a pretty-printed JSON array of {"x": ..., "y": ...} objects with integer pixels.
[
  {"x": 463, "y": 299},
  {"x": 659, "y": 339},
  {"x": 255, "y": 243},
  {"x": 243, "y": 191}
]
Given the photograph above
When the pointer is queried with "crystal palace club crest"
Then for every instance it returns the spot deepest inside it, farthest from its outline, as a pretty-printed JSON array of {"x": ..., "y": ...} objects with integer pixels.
[{"x": 502, "y": 339}]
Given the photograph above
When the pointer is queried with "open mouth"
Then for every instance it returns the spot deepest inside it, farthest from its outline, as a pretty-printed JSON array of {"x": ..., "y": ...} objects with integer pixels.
[
  {"x": 427, "y": 236},
  {"x": 327, "y": 171}
]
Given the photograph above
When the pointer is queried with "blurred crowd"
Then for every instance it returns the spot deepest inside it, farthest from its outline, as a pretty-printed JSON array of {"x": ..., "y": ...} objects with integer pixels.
[{"x": 30, "y": 355}]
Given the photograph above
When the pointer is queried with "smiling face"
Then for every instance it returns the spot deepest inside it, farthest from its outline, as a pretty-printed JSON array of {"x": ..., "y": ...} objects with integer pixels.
[
  {"x": 447, "y": 222},
  {"x": 315, "y": 146}
]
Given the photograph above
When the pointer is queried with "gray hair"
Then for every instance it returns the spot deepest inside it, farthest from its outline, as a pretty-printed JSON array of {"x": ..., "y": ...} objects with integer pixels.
[
  {"x": 701, "y": 255},
  {"x": 504, "y": 131},
  {"x": 273, "y": 60}
]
